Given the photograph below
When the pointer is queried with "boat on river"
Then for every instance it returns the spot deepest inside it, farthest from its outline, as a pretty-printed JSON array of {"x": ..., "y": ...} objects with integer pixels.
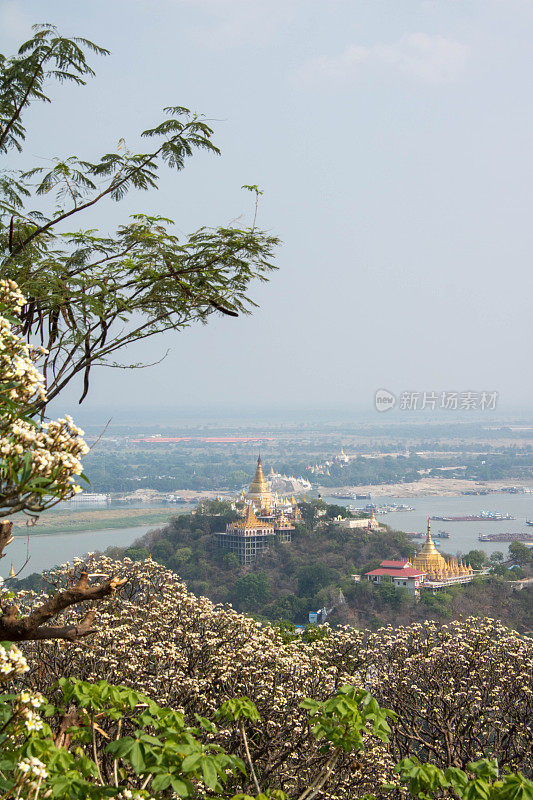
[
  {"x": 505, "y": 537},
  {"x": 483, "y": 516}
]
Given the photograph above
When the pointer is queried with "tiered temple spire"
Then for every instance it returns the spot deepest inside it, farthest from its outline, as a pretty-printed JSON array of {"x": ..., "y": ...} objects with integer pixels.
[
  {"x": 435, "y": 565},
  {"x": 260, "y": 493}
]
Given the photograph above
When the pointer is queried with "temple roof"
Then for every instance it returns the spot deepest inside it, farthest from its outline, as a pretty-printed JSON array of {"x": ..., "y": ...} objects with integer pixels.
[
  {"x": 407, "y": 572},
  {"x": 249, "y": 521}
]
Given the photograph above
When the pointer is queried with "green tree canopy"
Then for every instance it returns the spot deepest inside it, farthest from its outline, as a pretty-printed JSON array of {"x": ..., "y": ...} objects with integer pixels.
[
  {"x": 476, "y": 559},
  {"x": 90, "y": 293},
  {"x": 520, "y": 553},
  {"x": 252, "y": 591},
  {"x": 312, "y": 578}
]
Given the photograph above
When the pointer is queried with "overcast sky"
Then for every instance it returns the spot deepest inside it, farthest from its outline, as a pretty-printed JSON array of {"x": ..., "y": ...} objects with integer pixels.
[{"x": 393, "y": 142}]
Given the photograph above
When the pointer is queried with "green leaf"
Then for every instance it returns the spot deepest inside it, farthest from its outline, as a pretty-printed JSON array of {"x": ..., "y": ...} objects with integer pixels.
[
  {"x": 136, "y": 757},
  {"x": 181, "y": 788},
  {"x": 486, "y": 768},
  {"x": 161, "y": 782},
  {"x": 209, "y": 773},
  {"x": 191, "y": 763}
]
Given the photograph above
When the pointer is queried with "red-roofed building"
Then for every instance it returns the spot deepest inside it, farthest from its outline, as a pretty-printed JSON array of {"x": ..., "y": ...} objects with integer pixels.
[{"x": 401, "y": 573}]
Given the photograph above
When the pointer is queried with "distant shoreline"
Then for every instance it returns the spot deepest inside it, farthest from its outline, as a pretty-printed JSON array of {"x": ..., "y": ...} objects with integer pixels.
[
  {"x": 439, "y": 487},
  {"x": 93, "y": 520}
]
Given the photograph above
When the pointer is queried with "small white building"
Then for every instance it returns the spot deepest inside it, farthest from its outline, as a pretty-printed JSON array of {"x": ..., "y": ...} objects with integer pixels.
[{"x": 366, "y": 524}]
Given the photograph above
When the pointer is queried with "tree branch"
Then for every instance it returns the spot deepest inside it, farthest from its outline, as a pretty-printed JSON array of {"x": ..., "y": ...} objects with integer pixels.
[
  {"x": 32, "y": 627},
  {"x": 5, "y": 536},
  {"x": 113, "y": 186}
]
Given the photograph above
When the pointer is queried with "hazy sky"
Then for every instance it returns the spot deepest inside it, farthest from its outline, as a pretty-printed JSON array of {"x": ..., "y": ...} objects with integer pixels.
[{"x": 393, "y": 142}]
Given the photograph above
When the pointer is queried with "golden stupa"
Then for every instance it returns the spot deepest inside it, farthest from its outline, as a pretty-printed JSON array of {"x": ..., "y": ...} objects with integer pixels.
[
  {"x": 259, "y": 492},
  {"x": 429, "y": 559},
  {"x": 296, "y": 513},
  {"x": 437, "y": 568}
]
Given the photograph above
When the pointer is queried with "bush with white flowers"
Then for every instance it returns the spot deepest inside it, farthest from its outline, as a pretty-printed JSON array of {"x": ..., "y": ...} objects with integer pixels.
[
  {"x": 460, "y": 691},
  {"x": 39, "y": 461}
]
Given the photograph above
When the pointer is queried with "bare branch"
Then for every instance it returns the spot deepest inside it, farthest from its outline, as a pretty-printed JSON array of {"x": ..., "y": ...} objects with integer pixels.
[
  {"x": 6, "y": 536},
  {"x": 31, "y": 627}
]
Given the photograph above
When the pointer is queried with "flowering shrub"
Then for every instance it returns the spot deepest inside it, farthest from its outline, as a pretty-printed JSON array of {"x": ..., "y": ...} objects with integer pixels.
[
  {"x": 110, "y": 741},
  {"x": 460, "y": 691},
  {"x": 38, "y": 463},
  {"x": 187, "y": 653},
  {"x": 102, "y": 741},
  {"x": 150, "y": 747},
  {"x": 482, "y": 781},
  {"x": 38, "y": 460}
]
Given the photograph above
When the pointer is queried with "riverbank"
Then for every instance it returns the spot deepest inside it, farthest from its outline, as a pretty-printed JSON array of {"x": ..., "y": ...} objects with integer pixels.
[
  {"x": 54, "y": 522},
  {"x": 45, "y": 551},
  {"x": 438, "y": 487}
]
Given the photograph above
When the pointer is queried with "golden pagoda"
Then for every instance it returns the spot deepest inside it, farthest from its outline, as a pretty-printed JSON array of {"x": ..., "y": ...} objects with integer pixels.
[
  {"x": 248, "y": 522},
  {"x": 429, "y": 559},
  {"x": 373, "y": 524},
  {"x": 437, "y": 568},
  {"x": 259, "y": 492}
]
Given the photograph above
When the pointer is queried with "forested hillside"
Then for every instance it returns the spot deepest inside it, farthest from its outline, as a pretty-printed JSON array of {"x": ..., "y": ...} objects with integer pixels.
[{"x": 293, "y": 579}]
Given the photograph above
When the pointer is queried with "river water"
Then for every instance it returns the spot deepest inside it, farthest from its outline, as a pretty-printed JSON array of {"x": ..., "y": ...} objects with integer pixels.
[
  {"x": 48, "y": 549},
  {"x": 463, "y": 535}
]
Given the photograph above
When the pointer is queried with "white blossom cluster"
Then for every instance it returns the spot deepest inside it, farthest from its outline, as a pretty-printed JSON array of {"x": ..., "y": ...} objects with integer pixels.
[
  {"x": 17, "y": 357},
  {"x": 11, "y": 296},
  {"x": 55, "y": 447},
  {"x": 12, "y": 663},
  {"x": 31, "y": 766},
  {"x": 34, "y": 699},
  {"x": 26, "y": 703}
]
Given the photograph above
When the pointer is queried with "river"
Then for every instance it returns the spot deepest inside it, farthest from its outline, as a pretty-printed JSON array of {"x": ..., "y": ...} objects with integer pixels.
[
  {"x": 463, "y": 535},
  {"x": 48, "y": 549}
]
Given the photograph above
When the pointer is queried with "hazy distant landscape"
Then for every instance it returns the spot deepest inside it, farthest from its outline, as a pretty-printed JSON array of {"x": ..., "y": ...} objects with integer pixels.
[{"x": 379, "y": 454}]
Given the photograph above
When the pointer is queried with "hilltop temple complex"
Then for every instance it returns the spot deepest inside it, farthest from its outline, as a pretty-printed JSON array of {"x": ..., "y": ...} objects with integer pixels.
[
  {"x": 266, "y": 503},
  {"x": 267, "y": 518},
  {"x": 429, "y": 570}
]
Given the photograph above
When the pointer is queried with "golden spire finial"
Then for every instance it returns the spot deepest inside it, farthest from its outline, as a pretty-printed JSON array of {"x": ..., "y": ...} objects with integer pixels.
[{"x": 12, "y": 573}]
